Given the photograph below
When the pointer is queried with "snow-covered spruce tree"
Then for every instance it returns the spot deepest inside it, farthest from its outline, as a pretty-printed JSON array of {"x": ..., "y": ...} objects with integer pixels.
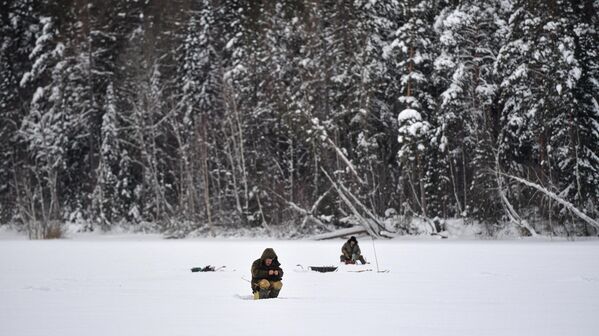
[
  {"x": 76, "y": 103},
  {"x": 70, "y": 93},
  {"x": 193, "y": 71},
  {"x": 16, "y": 42},
  {"x": 470, "y": 36},
  {"x": 375, "y": 124},
  {"x": 483, "y": 188},
  {"x": 575, "y": 164},
  {"x": 141, "y": 95},
  {"x": 559, "y": 113},
  {"x": 413, "y": 51},
  {"x": 276, "y": 117},
  {"x": 240, "y": 85},
  {"x": 344, "y": 43},
  {"x": 344, "y": 112},
  {"x": 414, "y": 136},
  {"x": 263, "y": 70},
  {"x": 117, "y": 50},
  {"x": 196, "y": 125},
  {"x": 541, "y": 73},
  {"x": 106, "y": 196},
  {"x": 312, "y": 102},
  {"x": 99, "y": 30},
  {"x": 306, "y": 41},
  {"x": 44, "y": 130},
  {"x": 154, "y": 147},
  {"x": 516, "y": 138},
  {"x": 519, "y": 101},
  {"x": 80, "y": 86},
  {"x": 586, "y": 114},
  {"x": 93, "y": 32}
]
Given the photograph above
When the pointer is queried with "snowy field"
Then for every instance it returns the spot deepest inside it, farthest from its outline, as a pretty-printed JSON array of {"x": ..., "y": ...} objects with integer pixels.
[{"x": 142, "y": 285}]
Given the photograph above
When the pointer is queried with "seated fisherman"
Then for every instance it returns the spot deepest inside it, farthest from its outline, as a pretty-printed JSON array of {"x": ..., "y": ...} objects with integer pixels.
[
  {"x": 351, "y": 252},
  {"x": 267, "y": 275}
]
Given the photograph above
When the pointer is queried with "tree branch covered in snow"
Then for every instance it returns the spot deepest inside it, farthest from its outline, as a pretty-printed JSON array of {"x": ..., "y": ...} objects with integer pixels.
[
  {"x": 184, "y": 117},
  {"x": 556, "y": 198}
]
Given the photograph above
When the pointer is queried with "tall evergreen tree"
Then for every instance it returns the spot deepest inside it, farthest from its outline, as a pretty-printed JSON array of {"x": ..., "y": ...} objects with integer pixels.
[
  {"x": 17, "y": 18},
  {"x": 541, "y": 75},
  {"x": 44, "y": 129},
  {"x": 413, "y": 50},
  {"x": 107, "y": 194},
  {"x": 470, "y": 39}
]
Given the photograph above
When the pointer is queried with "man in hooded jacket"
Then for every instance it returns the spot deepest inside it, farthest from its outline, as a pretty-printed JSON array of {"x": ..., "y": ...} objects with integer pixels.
[
  {"x": 350, "y": 252},
  {"x": 267, "y": 275}
]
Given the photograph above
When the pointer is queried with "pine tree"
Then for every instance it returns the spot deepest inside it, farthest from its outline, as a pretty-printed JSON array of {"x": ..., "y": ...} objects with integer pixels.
[
  {"x": 376, "y": 122},
  {"x": 541, "y": 75},
  {"x": 581, "y": 175},
  {"x": 200, "y": 107},
  {"x": 414, "y": 136},
  {"x": 470, "y": 37},
  {"x": 413, "y": 51},
  {"x": 107, "y": 194},
  {"x": 16, "y": 43},
  {"x": 240, "y": 87},
  {"x": 277, "y": 117},
  {"x": 44, "y": 129}
]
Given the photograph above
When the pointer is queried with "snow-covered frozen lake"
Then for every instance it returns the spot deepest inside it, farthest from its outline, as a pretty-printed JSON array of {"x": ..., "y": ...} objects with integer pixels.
[{"x": 143, "y": 286}]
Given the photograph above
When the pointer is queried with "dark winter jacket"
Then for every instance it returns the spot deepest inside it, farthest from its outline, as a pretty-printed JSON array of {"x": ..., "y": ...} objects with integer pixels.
[
  {"x": 348, "y": 250},
  {"x": 260, "y": 270}
]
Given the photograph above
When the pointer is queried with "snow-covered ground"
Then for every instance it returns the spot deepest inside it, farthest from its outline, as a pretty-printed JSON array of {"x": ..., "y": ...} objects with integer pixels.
[{"x": 142, "y": 285}]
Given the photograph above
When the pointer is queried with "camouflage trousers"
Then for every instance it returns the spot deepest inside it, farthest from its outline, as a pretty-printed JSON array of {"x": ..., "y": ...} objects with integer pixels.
[{"x": 267, "y": 289}]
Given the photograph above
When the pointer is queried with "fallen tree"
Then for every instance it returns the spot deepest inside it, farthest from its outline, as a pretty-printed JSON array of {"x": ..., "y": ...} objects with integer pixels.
[
  {"x": 555, "y": 197},
  {"x": 371, "y": 223}
]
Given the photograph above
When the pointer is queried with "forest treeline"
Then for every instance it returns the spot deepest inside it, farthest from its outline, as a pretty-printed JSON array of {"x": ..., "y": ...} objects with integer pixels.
[{"x": 186, "y": 116}]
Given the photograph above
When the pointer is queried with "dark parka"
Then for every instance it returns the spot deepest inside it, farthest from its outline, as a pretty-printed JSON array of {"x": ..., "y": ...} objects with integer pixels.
[{"x": 260, "y": 270}]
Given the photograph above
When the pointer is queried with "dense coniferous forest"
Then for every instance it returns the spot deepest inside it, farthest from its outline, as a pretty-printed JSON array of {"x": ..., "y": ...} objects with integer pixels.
[{"x": 299, "y": 116}]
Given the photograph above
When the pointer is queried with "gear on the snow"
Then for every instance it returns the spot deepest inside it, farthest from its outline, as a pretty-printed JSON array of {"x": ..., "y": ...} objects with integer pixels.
[{"x": 207, "y": 268}]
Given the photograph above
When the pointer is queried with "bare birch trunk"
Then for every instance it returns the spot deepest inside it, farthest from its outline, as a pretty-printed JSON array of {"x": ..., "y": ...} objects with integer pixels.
[
  {"x": 229, "y": 155},
  {"x": 205, "y": 172},
  {"x": 241, "y": 153},
  {"x": 291, "y": 169},
  {"x": 454, "y": 184},
  {"x": 422, "y": 188},
  {"x": 465, "y": 178},
  {"x": 236, "y": 154},
  {"x": 414, "y": 192}
]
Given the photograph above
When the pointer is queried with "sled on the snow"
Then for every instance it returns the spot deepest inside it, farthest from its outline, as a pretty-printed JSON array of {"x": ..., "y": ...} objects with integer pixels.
[{"x": 323, "y": 269}]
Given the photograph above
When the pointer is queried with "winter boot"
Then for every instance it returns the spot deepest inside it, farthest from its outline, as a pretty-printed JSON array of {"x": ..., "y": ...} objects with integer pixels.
[
  {"x": 264, "y": 287},
  {"x": 273, "y": 293},
  {"x": 275, "y": 289},
  {"x": 264, "y": 294}
]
